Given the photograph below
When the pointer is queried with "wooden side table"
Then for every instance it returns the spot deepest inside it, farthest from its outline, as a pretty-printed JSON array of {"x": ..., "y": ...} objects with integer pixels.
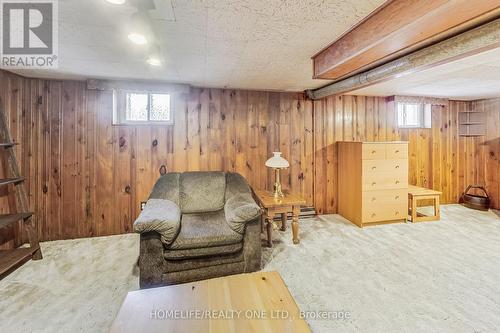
[
  {"x": 416, "y": 193},
  {"x": 272, "y": 206}
]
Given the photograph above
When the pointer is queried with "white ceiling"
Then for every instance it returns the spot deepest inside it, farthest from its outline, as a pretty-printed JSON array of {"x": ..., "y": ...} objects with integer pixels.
[
  {"x": 474, "y": 77},
  {"x": 249, "y": 44}
]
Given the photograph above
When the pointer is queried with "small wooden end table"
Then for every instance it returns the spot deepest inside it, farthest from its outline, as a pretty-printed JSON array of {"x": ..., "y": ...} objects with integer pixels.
[
  {"x": 416, "y": 193},
  {"x": 273, "y": 206}
]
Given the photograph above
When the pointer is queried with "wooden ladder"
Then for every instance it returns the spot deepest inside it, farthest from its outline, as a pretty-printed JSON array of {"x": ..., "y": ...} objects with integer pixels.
[{"x": 11, "y": 259}]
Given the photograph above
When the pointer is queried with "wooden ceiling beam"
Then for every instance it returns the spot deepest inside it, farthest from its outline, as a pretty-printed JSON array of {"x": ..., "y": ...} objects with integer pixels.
[{"x": 398, "y": 28}]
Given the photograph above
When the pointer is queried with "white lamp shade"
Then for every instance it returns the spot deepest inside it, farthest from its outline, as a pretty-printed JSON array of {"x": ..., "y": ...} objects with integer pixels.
[{"x": 277, "y": 161}]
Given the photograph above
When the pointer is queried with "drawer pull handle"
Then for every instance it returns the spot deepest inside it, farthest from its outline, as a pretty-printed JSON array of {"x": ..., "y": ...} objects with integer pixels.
[
  {"x": 373, "y": 215},
  {"x": 397, "y": 197},
  {"x": 373, "y": 199},
  {"x": 373, "y": 184},
  {"x": 397, "y": 181},
  {"x": 397, "y": 151},
  {"x": 374, "y": 151},
  {"x": 397, "y": 166},
  {"x": 397, "y": 213},
  {"x": 374, "y": 167}
]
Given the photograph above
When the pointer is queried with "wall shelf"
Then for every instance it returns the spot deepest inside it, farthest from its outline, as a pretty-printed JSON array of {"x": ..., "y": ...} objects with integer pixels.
[{"x": 471, "y": 123}]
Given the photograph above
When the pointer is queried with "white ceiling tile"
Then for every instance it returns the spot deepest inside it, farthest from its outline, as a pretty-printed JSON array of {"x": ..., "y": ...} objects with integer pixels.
[{"x": 249, "y": 44}]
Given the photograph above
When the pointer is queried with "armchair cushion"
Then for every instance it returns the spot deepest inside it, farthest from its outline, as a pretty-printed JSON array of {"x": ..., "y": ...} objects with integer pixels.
[
  {"x": 201, "y": 191},
  {"x": 240, "y": 207},
  {"x": 162, "y": 216},
  {"x": 204, "y": 230},
  {"x": 167, "y": 187},
  {"x": 203, "y": 252}
]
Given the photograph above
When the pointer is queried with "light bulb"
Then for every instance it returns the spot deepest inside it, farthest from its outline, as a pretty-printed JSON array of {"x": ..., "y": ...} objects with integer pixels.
[
  {"x": 116, "y": 2},
  {"x": 137, "y": 38},
  {"x": 154, "y": 61}
]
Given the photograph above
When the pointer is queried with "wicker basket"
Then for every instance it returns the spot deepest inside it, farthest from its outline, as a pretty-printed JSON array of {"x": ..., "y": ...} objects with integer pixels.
[{"x": 479, "y": 202}]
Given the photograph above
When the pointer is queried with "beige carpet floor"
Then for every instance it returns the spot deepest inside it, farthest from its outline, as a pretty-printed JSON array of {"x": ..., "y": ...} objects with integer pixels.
[{"x": 429, "y": 277}]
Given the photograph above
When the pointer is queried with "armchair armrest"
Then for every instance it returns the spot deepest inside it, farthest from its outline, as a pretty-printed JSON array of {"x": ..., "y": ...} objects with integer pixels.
[
  {"x": 162, "y": 216},
  {"x": 240, "y": 207}
]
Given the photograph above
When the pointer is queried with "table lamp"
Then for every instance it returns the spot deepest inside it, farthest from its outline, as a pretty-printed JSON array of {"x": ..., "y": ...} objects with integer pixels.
[{"x": 277, "y": 163}]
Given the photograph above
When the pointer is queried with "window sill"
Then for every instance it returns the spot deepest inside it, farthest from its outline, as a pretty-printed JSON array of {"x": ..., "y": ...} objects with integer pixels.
[
  {"x": 414, "y": 127},
  {"x": 144, "y": 124}
]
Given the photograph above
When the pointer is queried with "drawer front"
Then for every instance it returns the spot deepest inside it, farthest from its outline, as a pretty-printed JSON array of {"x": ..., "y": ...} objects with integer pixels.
[
  {"x": 385, "y": 166},
  {"x": 388, "y": 213},
  {"x": 373, "y": 151},
  {"x": 385, "y": 180},
  {"x": 397, "y": 151},
  {"x": 384, "y": 199}
]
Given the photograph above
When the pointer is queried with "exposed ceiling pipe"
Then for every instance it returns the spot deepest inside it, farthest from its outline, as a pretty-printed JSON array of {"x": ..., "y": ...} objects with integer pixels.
[{"x": 477, "y": 40}]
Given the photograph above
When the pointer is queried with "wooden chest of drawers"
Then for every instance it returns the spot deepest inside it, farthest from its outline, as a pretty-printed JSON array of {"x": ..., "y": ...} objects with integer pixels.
[{"x": 373, "y": 181}]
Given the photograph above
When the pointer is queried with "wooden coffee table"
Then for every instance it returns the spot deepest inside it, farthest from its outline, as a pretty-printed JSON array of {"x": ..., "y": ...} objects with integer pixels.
[
  {"x": 272, "y": 206},
  {"x": 256, "y": 302}
]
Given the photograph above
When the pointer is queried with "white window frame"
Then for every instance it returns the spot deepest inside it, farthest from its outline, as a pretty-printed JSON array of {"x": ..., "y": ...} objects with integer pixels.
[
  {"x": 424, "y": 115},
  {"x": 120, "y": 108}
]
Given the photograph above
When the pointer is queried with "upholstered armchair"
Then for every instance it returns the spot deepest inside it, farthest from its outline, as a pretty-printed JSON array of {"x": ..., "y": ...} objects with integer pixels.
[{"x": 198, "y": 225}]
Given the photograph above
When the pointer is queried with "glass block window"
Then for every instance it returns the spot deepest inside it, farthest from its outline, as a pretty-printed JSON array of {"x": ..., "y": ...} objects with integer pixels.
[
  {"x": 143, "y": 108},
  {"x": 137, "y": 107},
  {"x": 159, "y": 107}
]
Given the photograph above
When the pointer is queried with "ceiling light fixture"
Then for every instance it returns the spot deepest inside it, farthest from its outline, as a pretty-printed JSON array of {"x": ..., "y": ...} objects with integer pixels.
[
  {"x": 137, "y": 38},
  {"x": 154, "y": 61},
  {"x": 116, "y": 2}
]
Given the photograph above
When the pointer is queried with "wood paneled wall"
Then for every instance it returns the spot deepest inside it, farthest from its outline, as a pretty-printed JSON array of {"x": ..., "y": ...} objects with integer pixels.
[
  {"x": 439, "y": 158},
  {"x": 445, "y": 161},
  {"x": 86, "y": 177},
  {"x": 487, "y": 150},
  {"x": 345, "y": 118}
]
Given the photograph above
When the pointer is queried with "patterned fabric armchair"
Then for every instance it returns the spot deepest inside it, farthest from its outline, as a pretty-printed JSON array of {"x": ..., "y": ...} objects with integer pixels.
[{"x": 198, "y": 225}]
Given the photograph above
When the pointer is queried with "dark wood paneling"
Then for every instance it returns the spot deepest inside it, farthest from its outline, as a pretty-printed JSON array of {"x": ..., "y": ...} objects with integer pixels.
[
  {"x": 438, "y": 157},
  {"x": 86, "y": 177},
  {"x": 346, "y": 118},
  {"x": 487, "y": 150}
]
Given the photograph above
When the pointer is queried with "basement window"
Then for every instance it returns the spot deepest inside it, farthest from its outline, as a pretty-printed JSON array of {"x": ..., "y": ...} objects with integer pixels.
[
  {"x": 136, "y": 108},
  {"x": 414, "y": 115}
]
